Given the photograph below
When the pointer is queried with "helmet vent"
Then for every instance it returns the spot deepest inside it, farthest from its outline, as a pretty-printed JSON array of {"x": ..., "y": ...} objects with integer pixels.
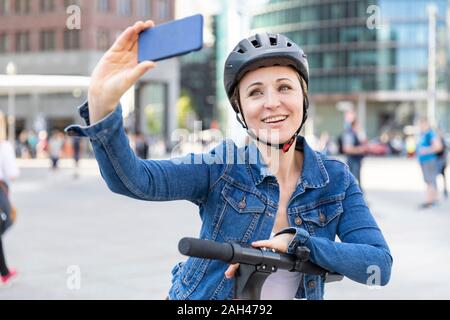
[
  {"x": 256, "y": 44},
  {"x": 289, "y": 44},
  {"x": 241, "y": 50},
  {"x": 273, "y": 41}
]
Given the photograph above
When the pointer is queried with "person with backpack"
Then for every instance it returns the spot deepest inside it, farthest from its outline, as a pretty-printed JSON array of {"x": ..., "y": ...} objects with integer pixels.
[
  {"x": 442, "y": 160},
  {"x": 428, "y": 145},
  {"x": 275, "y": 192}
]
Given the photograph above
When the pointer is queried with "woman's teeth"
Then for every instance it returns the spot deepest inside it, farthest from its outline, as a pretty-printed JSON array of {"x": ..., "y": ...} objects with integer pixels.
[{"x": 275, "y": 119}]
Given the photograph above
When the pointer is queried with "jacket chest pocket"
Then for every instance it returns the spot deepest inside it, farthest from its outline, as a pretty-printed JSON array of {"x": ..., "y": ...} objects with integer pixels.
[
  {"x": 322, "y": 221},
  {"x": 240, "y": 214}
]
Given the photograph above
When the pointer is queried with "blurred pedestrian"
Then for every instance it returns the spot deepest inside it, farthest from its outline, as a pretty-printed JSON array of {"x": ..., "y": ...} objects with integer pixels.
[
  {"x": 141, "y": 146},
  {"x": 42, "y": 145},
  {"x": 22, "y": 145},
  {"x": 354, "y": 147},
  {"x": 410, "y": 146},
  {"x": 442, "y": 160},
  {"x": 32, "y": 143},
  {"x": 55, "y": 145},
  {"x": 428, "y": 144},
  {"x": 8, "y": 171},
  {"x": 76, "y": 145}
]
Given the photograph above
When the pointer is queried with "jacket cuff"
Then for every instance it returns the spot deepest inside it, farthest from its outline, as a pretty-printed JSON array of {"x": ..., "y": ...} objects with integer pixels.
[
  {"x": 108, "y": 123},
  {"x": 301, "y": 236}
]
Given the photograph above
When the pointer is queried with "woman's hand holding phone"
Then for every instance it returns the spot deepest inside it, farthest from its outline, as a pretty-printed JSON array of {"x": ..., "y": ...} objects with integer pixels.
[{"x": 116, "y": 72}]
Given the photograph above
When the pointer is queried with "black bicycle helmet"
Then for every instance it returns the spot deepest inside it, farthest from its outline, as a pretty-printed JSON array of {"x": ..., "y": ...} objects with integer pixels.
[{"x": 264, "y": 50}]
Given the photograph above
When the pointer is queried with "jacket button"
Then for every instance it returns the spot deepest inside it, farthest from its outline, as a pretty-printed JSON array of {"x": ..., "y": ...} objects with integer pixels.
[
  {"x": 298, "y": 221},
  {"x": 311, "y": 284},
  {"x": 322, "y": 217},
  {"x": 242, "y": 204}
]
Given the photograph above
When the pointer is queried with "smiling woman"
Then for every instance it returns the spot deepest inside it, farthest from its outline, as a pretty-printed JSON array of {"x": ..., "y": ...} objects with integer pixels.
[{"x": 276, "y": 193}]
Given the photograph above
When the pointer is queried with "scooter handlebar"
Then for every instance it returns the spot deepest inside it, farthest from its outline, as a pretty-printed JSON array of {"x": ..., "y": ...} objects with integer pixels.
[{"x": 206, "y": 249}]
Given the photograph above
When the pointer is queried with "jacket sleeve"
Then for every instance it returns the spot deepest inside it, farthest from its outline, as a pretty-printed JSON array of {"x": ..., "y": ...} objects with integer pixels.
[
  {"x": 184, "y": 178},
  {"x": 362, "y": 255}
]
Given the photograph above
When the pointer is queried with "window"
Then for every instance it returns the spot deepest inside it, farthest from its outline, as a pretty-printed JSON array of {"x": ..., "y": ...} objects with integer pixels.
[
  {"x": 71, "y": 39},
  {"x": 103, "y": 5},
  {"x": 412, "y": 58},
  {"x": 4, "y": 45},
  {"x": 337, "y": 10},
  {"x": 144, "y": 8},
  {"x": 329, "y": 60},
  {"x": 102, "y": 40},
  {"x": 23, "y": 6},
  {"x": 47, "y": 40},
  {"x": 47, "y": 5},
  {"x": 4, "y": 7},
  {"x": 68, "y": 3},
  {"x": 124, "y": 7},
  {"x": 313, "y": 37},
  {"x": 23, "y": 41},
  {"x": 163, "y": 9}
]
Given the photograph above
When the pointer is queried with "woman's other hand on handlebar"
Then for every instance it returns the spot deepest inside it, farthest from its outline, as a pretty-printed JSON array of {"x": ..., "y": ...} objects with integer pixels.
[
  {"x": 229, "y": 273},
  {"x": 280, "y": 243},
  {"x": 116, "y": 72}
]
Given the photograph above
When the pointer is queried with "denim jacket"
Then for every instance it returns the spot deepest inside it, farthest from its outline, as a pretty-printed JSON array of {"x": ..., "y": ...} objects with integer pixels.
[{"x": 237, "y": 198}]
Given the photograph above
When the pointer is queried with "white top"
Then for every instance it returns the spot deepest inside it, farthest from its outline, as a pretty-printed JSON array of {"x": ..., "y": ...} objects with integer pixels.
[
  {"x": 8, "y": 165},
  {"x": 281, "y": 285}
]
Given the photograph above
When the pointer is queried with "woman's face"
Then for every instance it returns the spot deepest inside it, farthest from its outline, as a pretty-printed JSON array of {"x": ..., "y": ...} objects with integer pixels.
[{"x": 272, "y": 102}]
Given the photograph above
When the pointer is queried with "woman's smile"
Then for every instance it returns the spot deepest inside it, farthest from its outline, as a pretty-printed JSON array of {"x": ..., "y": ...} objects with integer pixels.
[{"x": 276, "y": 121}]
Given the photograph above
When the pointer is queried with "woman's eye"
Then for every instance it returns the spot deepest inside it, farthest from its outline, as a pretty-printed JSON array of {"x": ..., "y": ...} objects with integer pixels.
[
  {"x": 285, "y": 88},
  {"x": 255, "y": 93}
]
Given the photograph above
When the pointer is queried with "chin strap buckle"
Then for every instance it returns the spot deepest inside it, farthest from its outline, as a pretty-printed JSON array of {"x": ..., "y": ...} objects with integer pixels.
[{"x": 288, "y": 144}]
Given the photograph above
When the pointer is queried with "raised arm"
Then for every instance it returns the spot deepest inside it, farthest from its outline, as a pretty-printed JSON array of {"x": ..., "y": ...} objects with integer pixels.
[{"x": 187, "y": 178}]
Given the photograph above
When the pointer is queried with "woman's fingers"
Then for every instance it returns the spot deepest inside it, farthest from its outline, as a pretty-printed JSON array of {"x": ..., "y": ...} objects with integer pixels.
[
  {"x": 229, "y": 273},
  {"x": 279, "y": 243},
  {"x": 139, "y": 70},
  {"x": 130, "y": 36},
  {"x": 138, "y": 28},
  {"x": 141, "y": 26},
  {"x": 263, "y": 243},
  {"x": 124, "y": 40}
]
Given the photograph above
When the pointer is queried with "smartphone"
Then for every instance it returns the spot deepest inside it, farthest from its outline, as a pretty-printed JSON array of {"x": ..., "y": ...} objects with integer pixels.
[{"x": 171, "y": 39}]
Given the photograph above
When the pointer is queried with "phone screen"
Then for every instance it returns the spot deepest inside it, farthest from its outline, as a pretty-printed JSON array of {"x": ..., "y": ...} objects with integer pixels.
[{"x": 171, "y": 39}]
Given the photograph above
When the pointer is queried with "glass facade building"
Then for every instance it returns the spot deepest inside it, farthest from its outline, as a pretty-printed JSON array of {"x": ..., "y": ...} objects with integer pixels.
[{"x": 358, "y": 49}]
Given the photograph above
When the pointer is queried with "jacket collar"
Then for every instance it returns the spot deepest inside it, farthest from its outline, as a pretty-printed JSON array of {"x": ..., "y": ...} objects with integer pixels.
[{"x": 314, "y": 174}]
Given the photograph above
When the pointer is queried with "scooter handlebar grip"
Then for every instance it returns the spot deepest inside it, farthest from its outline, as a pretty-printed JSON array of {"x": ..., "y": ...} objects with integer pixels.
[{"x": 205, "y": 249}]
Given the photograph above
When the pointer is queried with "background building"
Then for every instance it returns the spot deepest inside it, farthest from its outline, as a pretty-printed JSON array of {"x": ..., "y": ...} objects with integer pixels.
[
  {"x": 198, "y": 69},
  {"x": 34, "y": 35},
  {"x": 371, "y": 53}
]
